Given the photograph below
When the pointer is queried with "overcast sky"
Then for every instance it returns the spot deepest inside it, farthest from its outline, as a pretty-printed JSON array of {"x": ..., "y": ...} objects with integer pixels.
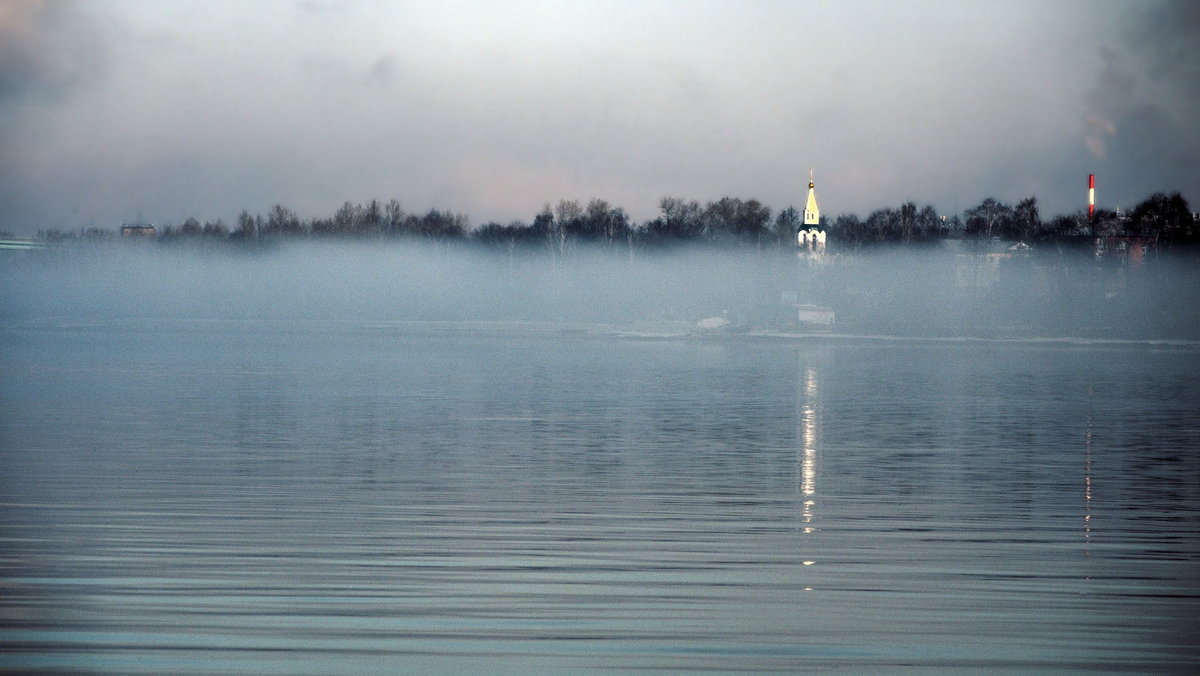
[{"x": 115, "y": 110}]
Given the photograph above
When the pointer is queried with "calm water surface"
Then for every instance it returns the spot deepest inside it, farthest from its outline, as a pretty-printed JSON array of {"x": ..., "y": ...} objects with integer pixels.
[{"x": 351, "y": 497}]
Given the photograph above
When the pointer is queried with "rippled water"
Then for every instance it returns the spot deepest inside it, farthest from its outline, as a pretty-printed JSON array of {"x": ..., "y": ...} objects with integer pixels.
[{"x": 325, "y": 497}]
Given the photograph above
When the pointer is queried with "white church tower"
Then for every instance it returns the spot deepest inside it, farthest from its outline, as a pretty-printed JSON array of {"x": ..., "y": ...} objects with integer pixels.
[
  {"x": 811, "y": 238},
  {"x": 812, "y": 215}
]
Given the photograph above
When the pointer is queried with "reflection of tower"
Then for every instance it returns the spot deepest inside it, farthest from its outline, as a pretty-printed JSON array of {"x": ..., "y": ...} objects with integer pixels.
[
  {"x": 1087, "y": 479},
  {"x": 811, "y": 238},
  {"x": 808, "y": 451}
]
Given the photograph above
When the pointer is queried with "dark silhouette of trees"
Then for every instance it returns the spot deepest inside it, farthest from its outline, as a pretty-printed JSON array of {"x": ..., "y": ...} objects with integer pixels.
[
  {"x": 192, "y": 229},
  {"x": 733, "y": 219},
  {"x": 992, "y": 218},
  {"x": 393, "y": 216},
  {"x": 849, "y": 231},
  {"x": 1067, "y": 226},
  {"x": 603, "y": 223},
  {"x": 565, "y": 226},
  {"x": 512, "y": 235},
  {"x": 787, "y": 223},
  {"x": 678, "y": 220},
  {"x": 1106, "y": 223},
  {"x": 216, "y": 229},
  {"x": 989, "y": 219},
  {"x": 561, "y": 227},
  {"x": 439, "y": 225},
  {"x": 907, "y": 224},
  {"x": 247, "y": 226},
  {"x": 1167, "y": 216},
  {"x": 727, "y": 220},
  {"x": 281, "y": 221},
  {"x": 1027, "y": 222},
  {"x": 884, "y": 224}
]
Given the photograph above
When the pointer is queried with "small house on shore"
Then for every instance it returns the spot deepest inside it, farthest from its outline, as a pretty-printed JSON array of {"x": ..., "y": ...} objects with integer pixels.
[{"x": 137, "y": 230}]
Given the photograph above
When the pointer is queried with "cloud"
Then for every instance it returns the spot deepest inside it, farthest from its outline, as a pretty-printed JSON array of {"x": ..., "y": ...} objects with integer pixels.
[
  {"x": 493, "y": 109},
  {"x": 319, "y": 6},
  {"x": 1141, "y": 123},
  {"x": 383, "y": 70},
  {"x": 46, "y": 48},
  {"x": 1098, "y": 131},
  {"x": 51, "y": 52}
]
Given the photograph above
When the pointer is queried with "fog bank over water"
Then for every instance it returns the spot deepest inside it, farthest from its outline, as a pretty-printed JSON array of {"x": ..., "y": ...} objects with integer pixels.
[
  {"x": 388, "y": 281},
  {"x": 904, "y": 292}
]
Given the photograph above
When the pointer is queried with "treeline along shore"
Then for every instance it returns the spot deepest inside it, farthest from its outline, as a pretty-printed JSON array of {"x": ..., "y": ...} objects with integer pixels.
[
  {"x": 1164, "y": 219},
  {"x": 995, "y": 270}
]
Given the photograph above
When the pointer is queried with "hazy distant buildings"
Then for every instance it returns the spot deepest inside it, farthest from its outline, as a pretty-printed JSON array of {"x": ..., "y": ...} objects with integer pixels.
[{"x": 137, "y": 230}]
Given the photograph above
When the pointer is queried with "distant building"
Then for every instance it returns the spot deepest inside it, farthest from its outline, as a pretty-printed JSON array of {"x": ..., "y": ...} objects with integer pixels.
[
  {"x": 137, "y": 230},
  {"x": 814, "y": 317},
  {"x": 811, "y": 240}
]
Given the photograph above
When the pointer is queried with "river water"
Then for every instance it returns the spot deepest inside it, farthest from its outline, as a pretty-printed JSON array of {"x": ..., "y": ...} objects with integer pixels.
[{"x": 328, "y": 497}]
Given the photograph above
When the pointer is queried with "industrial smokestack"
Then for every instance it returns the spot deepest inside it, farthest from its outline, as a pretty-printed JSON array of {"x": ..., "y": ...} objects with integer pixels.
[{"x": 1091, "y": 196}]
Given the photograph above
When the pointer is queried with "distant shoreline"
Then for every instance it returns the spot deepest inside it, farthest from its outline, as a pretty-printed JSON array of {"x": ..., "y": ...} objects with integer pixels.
[{"x": 1161, "y": 219}]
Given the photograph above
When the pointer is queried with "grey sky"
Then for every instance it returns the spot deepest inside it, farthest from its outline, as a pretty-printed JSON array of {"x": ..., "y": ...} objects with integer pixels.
[{"x": 116, "y": 109}]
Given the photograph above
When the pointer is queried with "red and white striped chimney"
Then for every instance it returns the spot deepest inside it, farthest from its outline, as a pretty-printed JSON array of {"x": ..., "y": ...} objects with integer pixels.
[{"x": 1091, "y": 196}]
